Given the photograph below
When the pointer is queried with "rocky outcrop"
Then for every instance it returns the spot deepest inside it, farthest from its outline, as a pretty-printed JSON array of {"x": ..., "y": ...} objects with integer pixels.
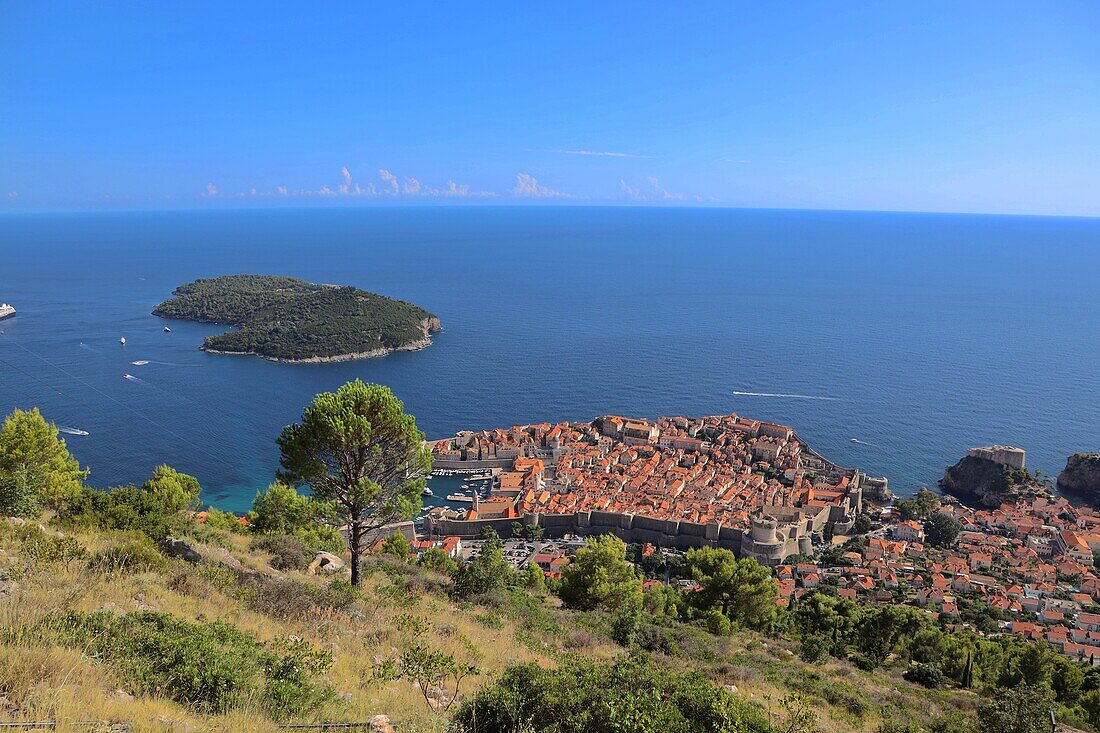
[
  {"x": 197, "y": 552},
  {"x": 325, "y": 562},
  {"x": 981, "y": 481},
  {"x": 1081, "y": 476}
]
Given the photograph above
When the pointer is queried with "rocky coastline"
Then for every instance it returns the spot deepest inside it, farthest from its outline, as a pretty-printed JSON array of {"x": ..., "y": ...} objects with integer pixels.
[
  {"x": 1081, "y": 476},
  {"x": 430, "y": 325},
  {"x": 975, "y": 480}
]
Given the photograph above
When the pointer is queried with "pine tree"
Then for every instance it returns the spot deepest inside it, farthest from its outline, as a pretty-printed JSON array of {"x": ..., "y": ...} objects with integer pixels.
[{"x": 968, "y": 672}]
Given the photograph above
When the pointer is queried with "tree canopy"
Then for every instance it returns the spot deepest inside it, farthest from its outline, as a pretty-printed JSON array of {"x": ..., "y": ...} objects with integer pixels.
[
  {"x": 358, "y": 448},
  {"x": 742, "y": 590},
  {"x": 36, "y": 467},
  {"x": 600, "y": 577},
  {"x": 941, "y": 530}
]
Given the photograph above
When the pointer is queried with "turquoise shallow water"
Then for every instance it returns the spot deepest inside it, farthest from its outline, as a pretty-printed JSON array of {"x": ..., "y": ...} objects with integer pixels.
[{"x": 931, "y": 333}]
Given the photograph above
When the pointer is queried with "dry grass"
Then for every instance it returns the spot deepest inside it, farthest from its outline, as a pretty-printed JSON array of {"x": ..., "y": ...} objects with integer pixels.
[
  {"x": 393, "y": 612},
  {"x": 58, "y": 684}
]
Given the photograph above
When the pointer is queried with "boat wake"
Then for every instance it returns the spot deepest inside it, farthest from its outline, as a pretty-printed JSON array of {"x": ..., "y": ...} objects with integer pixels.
[
  {"x": 857, "y": 441},
  {"x": 71, "y": 431},
  {"x": 787, "y": 396},
  {"x": 131, "y": 377}
]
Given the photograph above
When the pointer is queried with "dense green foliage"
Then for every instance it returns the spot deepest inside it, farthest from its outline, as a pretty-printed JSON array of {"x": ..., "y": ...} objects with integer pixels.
[
  {"x": 211, "y": 667},
  {"x": 743, "y": 591},
  {"x": 1018, "y": 677},
  {"x": 941, "y": 530},
  {"x": 287, "y": 318},
  {"x": 36, "y": 469},
  {"x": 154, "y": 508},
  {"x": 357, "y": 449},
  {"x": 487, "y": 572},
  {"x": 582, "y": 696},
  {"x": 281, "y": 510},
  {"x": 600, "y": 577}
]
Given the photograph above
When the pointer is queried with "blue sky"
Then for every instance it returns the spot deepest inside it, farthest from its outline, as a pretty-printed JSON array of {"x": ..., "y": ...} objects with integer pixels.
[{"x": 976, "y": 106}]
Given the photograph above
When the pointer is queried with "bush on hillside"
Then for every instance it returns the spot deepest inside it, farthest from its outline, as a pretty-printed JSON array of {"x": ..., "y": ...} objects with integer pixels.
[
  {"x": 212, "y": 667},
  {"x": 138, "y": 555},
  {"x": 287, "y": 552},
  {"x": 154, "y": 509},
  {"x": 582, "y": 696},
  {"x": 40, "y": 548}
]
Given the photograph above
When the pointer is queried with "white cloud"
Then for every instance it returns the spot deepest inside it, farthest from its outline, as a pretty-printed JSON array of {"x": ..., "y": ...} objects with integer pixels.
[
  {"x": 602, "y": 153},
  {"x": 348, "y": 187},
  {"x": 630, "y": 191},
  {"x": 528, "y": 187},
  {"x": 13, "y": 195},
  {"x": 453, "y": 189},
  {"x": 664, "y": 193},
  {"x": 389, "y": 179}
]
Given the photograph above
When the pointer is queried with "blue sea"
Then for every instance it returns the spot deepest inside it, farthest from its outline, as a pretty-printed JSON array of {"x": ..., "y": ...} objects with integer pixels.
[{"x": 919, "y": 335}]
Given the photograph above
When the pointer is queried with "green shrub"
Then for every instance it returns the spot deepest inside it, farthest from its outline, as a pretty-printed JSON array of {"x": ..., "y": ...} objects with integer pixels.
[
  {"x": 135, "y": 556},
  {"x": 813, "y": 648},
  {"x": 927, "y": 675},
  {"x": 43, "y": 548},
  {"x": 582, "y": 696},
  {"x": 212, "y": 667},
  {"x": 287, "y": 552}
]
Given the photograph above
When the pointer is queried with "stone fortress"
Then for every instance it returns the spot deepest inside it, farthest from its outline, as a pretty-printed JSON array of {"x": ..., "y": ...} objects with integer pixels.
[
  {"x": 1006, "y": 456},
  {"x": 724, "y": 481}
]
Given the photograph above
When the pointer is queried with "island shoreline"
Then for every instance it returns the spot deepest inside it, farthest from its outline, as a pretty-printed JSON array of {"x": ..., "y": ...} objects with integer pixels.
[{"x": 376, "y": 353}]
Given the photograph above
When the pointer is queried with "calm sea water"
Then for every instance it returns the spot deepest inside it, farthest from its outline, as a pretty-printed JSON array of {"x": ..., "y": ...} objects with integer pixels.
[{"x": 928, "y": 333}]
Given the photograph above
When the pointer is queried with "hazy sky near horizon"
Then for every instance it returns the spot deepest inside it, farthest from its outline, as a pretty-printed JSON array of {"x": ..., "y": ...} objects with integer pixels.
[{"x": 939, "y": 106}]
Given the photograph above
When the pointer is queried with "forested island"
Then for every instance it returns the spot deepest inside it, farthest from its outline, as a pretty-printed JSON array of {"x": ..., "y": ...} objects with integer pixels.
[{"x": 292, "y": 320}]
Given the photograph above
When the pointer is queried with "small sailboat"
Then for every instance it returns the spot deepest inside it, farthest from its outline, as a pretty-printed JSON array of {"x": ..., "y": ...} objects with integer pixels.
[{"x": 122, "y": 340}]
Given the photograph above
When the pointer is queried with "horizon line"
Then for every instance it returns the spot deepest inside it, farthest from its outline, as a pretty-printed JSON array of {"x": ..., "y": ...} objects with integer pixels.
[{"x": 527, "y": 204}]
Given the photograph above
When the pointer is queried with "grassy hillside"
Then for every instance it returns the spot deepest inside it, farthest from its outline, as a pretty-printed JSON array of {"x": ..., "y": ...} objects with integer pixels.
[{"x": 400, "y": 606}]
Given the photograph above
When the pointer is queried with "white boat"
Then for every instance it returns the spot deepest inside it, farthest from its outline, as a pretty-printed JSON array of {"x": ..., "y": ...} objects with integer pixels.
[
  {"x": 122, "y": 340},
  {"x": 167, "y": 330},
  {"x": 139, "y": 363},
  {"x": 465, "y": 486},
  {"x": 6, "y": 311},
  {"x": 426, "y": 492},
  {"x": 460, "y": 497},
  {"x": 73, "y": 431}
]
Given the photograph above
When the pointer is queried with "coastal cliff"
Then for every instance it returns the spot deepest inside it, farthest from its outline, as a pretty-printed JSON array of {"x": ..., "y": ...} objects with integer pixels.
[
  {"x": 985, "y": 482},
  {"x": 1081, "y": 475}
]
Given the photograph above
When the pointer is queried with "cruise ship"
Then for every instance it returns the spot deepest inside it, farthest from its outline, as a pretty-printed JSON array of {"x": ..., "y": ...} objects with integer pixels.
[{"x": 6, "y": 311}]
